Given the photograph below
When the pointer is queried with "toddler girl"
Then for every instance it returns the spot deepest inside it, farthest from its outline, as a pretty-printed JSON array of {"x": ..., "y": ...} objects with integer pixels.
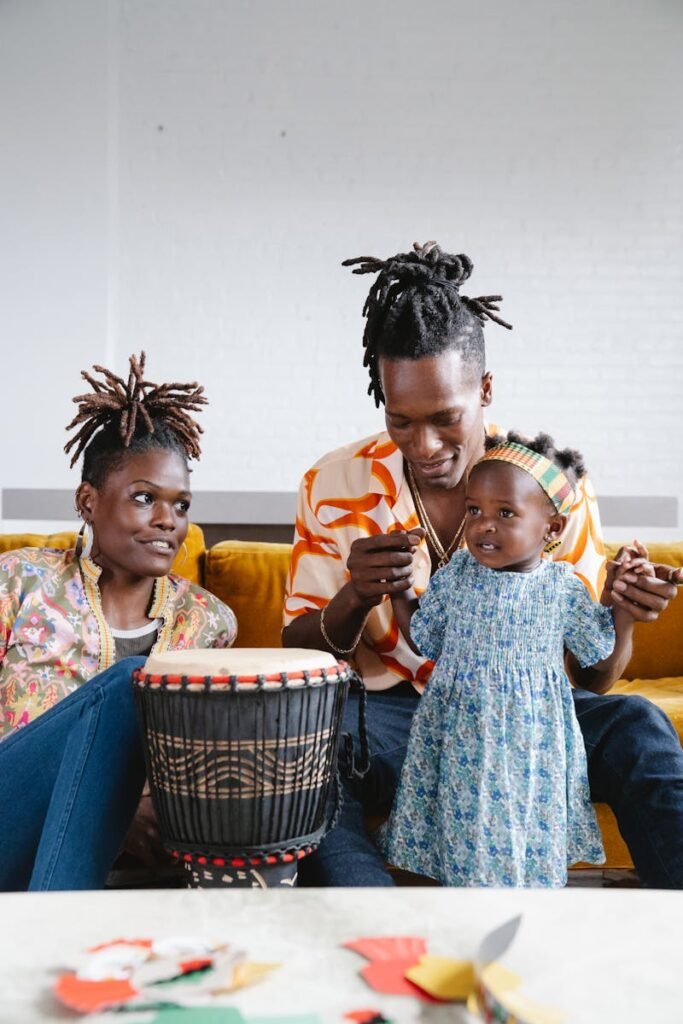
[{"x": 494, "y": 789}]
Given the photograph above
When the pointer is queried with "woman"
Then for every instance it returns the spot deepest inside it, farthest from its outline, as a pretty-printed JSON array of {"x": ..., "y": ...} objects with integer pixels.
[{"x": 75, "y": 624}]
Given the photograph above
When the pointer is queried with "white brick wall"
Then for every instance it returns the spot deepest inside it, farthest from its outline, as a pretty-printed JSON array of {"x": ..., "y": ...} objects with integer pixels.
[{"x": 187, "y": 176}]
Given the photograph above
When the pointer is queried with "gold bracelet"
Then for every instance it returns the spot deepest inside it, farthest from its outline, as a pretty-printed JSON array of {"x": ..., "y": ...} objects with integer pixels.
[{"x": 338, "y": 650}]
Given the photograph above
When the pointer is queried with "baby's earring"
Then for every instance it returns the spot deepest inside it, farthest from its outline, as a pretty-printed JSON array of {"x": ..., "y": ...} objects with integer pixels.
[{"x": 552, "y": 544}]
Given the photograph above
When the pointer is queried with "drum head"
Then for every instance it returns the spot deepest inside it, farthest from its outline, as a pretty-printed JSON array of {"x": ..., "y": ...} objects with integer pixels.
[{"x": 247, "y": 663}]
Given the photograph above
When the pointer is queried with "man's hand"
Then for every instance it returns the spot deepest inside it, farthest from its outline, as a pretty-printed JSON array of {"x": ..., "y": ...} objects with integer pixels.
[
  {"x": 382, "y": 565},
  {"x": 639, "y": 587}
]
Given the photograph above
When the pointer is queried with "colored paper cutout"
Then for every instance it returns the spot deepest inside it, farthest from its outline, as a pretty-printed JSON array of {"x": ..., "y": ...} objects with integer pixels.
[
  {"x": 528, "y": 1011},
  {"x": 364, "y": 1016},
  {"x": 87, "y": 996},
  {"x": 389, "y": 977},
  {"x": 199, "y": 1015},
  {"x": 301, "y": 1018},
  {"x": 145, "y": 974},
  {"x": 388, "y": 947},
  {"x": 249, "y": 972},
  {"x": 390, "y": 957},
  {"x": 443, "y": 978},
  {"x": 498, "y": 941},
  {"x": 499, "y": 979}
]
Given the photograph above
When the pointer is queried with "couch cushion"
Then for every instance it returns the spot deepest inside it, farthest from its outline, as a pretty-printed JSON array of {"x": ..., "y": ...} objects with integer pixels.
[
  {"x": 666, "y": 693},
  {"x": 189, "y": 561},
  {"x": 250, "y": 577},
  {"x": 658, "y": 646}
]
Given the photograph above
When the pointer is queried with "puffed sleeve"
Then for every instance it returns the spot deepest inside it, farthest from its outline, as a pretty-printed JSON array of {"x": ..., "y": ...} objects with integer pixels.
[
  {"x": 588, "y": 627},
  {"x": 428, "y": 624}
]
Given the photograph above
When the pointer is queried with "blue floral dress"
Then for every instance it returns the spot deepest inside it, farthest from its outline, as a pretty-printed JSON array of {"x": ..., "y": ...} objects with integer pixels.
[{"x": 494, "y": 789}]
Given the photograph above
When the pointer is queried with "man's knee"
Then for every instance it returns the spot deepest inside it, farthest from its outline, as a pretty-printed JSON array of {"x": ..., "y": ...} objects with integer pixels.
[{"x": 637, "y": 719}]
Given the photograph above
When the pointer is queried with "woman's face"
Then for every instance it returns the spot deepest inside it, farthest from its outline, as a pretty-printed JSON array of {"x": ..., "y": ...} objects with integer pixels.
[
  {"x": 510, "y": 519},
  {"x": 434, "y": 414},
  {"x": 139, "y": 515}
]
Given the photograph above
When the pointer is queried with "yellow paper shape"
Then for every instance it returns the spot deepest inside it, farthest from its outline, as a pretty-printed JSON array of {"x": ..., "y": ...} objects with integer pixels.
[
  {"x": 499, "y": 979},
  {"x": 248, "y": 973},
  {"x": 442, "y": 977},
  {"x": 473, "y": 1003},
  {"x": 529, "y": 1011}
]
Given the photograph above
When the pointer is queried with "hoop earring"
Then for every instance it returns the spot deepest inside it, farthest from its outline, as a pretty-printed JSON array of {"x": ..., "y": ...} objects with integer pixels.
[
  {"x": 183, "y": 548},
  {"x": 85, "y": 540}
]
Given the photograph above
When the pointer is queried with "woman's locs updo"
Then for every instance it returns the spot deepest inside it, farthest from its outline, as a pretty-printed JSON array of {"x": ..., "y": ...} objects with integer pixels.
[
  {"x": 129, "y": 417},
  {"x": 414, "y": 308}
]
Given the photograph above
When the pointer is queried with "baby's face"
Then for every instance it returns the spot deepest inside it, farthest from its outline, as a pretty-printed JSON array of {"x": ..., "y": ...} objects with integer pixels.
[{"x": 509, "y": 517}]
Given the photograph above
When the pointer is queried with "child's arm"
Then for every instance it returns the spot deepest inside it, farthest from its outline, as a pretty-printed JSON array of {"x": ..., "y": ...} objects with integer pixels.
[
  {"x": 404, "y": 608},
  {"x": 601, "y": 676}
]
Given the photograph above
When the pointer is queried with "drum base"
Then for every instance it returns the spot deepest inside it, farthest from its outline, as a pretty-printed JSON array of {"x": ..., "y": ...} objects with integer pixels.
[{"x": 265, "y": 876}]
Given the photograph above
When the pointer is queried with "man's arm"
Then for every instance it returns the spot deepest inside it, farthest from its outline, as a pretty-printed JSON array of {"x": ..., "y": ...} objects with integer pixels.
[{"x": 377, "y": 566}]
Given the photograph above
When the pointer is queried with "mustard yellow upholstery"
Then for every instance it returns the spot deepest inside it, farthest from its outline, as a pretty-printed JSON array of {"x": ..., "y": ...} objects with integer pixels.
[
  {"x": 250, "y": 576},
  {"x": 188, "y": 563}
]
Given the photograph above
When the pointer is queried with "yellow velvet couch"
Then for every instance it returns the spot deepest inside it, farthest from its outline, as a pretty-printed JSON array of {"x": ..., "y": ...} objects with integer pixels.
[{"x": 250, "y": 577}]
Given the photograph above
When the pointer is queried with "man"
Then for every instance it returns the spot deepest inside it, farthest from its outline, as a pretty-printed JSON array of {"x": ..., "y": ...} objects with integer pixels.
[{"x": 359, "y": 508}]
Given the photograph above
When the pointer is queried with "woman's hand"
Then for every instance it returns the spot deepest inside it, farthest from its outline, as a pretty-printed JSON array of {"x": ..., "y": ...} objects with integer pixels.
[
  {"x": 639, "y": 587},
  {"x": 144, "y": 840},
  {"x": 382, "y": 565}
]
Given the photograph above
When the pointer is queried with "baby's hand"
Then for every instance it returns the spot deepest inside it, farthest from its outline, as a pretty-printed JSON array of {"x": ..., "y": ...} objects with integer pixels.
[{"x": 632, "y": 561}]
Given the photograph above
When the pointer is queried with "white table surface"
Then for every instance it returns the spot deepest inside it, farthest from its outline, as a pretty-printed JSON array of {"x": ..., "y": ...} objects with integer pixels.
[{"x": 599, "y": 955}]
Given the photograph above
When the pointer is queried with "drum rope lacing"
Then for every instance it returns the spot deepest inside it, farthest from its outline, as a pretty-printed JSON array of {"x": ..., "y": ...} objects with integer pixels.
[{"x": 353, "y": 767}]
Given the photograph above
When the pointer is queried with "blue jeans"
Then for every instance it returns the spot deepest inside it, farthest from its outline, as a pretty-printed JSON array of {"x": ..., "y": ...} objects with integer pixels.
[
  {"x": 70, "y": 783},
  {"x": 635, "y": 764}
]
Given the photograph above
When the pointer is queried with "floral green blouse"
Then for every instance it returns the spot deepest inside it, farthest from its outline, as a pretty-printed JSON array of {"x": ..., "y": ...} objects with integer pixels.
[{"x": 54, "y": 637}]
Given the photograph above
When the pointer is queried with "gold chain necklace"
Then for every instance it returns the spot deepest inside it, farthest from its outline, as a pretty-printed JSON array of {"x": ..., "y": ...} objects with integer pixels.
[{"x": 442, "y": 554}]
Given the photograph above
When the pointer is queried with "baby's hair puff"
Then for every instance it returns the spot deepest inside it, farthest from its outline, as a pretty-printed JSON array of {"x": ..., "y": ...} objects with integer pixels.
[{"x": 569, "y": 460}]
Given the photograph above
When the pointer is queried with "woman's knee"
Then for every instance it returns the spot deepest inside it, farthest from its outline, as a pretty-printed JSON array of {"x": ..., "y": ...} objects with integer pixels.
[{"x": 114, "y": 686}]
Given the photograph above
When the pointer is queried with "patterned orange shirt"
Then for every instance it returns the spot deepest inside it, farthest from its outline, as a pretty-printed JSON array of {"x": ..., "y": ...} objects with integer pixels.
[{"x": 360, "y": 490}]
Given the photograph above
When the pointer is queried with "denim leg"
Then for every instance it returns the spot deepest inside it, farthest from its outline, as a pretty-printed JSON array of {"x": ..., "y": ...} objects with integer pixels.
[
  {"x": 635, "y": 764},
  {"x": 348, "y": 856},
  {"x": 69, "y": 786}
]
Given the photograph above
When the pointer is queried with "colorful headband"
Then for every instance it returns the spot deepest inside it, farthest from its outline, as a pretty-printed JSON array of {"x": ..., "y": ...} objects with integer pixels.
[{"x": 549, "y": 476}]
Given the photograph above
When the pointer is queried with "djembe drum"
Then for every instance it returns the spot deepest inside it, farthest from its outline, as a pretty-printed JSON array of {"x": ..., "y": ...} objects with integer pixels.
[{"x": 241, "y": 753}]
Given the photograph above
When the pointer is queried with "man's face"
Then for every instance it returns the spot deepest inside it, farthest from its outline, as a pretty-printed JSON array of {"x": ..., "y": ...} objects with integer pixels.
[{"x": 434, "y": 415}]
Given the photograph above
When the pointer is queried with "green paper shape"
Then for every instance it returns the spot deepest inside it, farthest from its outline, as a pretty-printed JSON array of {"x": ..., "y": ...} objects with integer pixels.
[
  {"x": 199, "y": 1015},
  {"x": 298, "y": 1018}
]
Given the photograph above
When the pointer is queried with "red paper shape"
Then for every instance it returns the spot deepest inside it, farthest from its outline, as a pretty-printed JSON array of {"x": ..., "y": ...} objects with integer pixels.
[
  {"x": 200, "y": 964},
  {"x": 147, "y": 943},
  {"x": 390, "y": 947},
  {"x": 388, "y": 976},
  {"x": 364, "y": 1016},
  {"x": 91, "y": 996}
]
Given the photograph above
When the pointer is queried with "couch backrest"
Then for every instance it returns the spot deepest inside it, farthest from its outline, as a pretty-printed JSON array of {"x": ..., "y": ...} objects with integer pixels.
[
  {"x": 188, "y": 563},
  {"x": 250, "y": 576}
]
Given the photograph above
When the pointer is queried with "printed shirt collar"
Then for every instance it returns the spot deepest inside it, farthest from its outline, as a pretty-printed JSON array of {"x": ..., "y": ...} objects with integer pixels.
[{"x": 161, "y": 595}]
